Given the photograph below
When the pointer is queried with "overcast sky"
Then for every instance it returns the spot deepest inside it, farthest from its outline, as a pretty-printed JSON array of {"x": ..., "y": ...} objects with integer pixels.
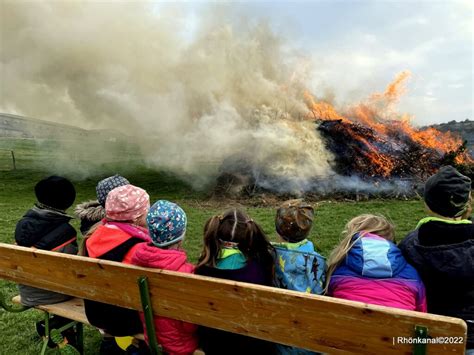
[
  {"x": 347, "y": 49},
  {"x": 357, "y": 47}
]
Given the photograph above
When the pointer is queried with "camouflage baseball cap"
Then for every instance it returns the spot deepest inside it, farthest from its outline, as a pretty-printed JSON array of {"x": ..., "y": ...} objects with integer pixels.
[{"x": 294, "y": 220}]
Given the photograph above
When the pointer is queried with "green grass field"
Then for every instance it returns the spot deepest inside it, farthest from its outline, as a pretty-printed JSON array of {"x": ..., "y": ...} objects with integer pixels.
[{"x": 17, "y": 332}]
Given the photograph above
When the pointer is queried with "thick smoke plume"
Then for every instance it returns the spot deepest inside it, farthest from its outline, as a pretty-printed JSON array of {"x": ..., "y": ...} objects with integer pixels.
[{"x": 189, "y": 98}]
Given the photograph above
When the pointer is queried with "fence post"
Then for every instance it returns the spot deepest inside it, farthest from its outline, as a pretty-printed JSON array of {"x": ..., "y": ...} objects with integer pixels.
[{"x": 13, "y": 159}]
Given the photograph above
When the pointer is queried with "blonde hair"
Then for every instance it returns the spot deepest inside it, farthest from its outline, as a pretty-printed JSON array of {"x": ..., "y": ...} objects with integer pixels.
[{"x": 363, "y": 224}]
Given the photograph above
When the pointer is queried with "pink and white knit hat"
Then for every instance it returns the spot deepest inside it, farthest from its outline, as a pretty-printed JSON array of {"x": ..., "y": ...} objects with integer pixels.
[{"x": 126, "y": 203}]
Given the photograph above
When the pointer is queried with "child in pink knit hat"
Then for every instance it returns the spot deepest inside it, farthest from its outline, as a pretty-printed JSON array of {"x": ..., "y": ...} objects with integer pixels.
[
  {"x": 127, "y": 203},
  {"x": 116, "y": 238}
]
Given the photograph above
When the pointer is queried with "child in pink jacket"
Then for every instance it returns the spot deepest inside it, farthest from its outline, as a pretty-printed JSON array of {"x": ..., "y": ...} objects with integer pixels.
[
  {"x": 167, "y": 225},
  {"x": 368, "y": 267}
]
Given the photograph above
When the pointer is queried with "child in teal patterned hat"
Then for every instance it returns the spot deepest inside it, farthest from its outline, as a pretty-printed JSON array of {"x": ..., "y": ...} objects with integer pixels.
[{"x": 167, "y": 225}]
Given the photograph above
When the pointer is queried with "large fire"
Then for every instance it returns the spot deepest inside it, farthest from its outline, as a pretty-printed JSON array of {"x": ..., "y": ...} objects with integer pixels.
[
  {"x": 373, "y": 150},
  {"x": 371, "y": 138}
]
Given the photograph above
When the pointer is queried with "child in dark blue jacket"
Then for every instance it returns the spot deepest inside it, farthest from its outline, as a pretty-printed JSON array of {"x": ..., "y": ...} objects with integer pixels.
[
  {"x": 441, "y": 247},
  {"x": 46, "y": 226}
]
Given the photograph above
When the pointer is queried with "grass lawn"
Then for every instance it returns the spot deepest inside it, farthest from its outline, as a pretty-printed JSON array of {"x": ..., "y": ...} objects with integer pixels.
[{"x": 17, "y": 333}]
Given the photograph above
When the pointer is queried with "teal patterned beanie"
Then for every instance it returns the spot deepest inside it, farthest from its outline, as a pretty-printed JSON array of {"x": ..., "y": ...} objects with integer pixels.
[{"x": 166, "y": 223}]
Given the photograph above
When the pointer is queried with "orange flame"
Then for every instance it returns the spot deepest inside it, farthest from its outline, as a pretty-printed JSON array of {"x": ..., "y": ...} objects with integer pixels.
[
  {"x": 322, "y": 110},
  {"x": 378, "y": 113}
]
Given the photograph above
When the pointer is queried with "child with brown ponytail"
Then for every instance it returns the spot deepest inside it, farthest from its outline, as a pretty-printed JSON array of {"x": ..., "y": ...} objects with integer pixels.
[{"x": 235, "y": 248}]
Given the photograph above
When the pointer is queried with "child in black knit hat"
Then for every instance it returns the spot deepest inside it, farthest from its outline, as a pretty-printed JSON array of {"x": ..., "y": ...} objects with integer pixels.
[
  {"x": 441, "y": 247},
  {"x": 46, "y": 226}
]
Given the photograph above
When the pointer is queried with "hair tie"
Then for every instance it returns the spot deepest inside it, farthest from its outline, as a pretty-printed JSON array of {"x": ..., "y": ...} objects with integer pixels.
[{"x": 228, "y": 245}]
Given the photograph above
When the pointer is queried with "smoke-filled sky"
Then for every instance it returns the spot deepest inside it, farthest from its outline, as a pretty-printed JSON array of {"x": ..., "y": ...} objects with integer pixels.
[
  {"x": 356, "y": 47},
  {"x": 352, "y": 47},
  {"x": 204, "y": 81},
  {"x": 371, "y": 40}
]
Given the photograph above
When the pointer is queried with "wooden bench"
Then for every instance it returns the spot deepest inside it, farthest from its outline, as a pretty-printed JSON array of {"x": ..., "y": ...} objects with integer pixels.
[
  {"x": 72, "y": 309},
  {"x": 307, "y": 321}
]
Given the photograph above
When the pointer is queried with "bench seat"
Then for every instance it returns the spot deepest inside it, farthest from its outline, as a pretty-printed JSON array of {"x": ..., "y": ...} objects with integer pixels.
[
  {"x": 312, "y": 322},
  {"x": 72, "y": 309}
]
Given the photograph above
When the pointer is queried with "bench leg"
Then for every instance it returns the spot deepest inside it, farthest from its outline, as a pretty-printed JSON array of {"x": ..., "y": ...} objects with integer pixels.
[
  {"x": 80, "y": 337},
  {"x": 46, "y": 333},
  {"x": 148, "y": 312},
  {"x": 420, "y": 333},
  {"x": 79, "y": 334},
  {"x": 9, "y": 307}
]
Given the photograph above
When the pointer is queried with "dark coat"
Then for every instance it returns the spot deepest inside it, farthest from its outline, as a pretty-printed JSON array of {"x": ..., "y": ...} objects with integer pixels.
[
  {"x": 214, "y": 341},
  {"x": 443, "y": 254},
  {"x": 48, "y": 230}
]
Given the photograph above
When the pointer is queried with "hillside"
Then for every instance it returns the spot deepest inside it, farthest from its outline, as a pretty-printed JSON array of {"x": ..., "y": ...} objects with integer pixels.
[{"x": 465, "y": 129}]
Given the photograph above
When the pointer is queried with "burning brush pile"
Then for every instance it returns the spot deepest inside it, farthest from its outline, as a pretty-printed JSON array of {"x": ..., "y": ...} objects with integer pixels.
[{"x": 376, "y": 152}]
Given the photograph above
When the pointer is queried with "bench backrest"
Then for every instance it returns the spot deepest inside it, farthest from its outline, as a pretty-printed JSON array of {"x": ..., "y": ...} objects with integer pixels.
[{"x": 313, "y": 322}]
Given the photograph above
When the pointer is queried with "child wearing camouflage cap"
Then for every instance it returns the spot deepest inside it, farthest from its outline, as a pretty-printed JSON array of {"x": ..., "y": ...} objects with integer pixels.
[
  {"x": 167, "y": 226},
  {"x": 295, "y": 253},
  {"x": 298, "y": 266}
]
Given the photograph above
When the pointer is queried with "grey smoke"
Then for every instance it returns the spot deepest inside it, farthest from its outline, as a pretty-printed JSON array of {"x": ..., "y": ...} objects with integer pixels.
[{"x": 189, "y": 99}]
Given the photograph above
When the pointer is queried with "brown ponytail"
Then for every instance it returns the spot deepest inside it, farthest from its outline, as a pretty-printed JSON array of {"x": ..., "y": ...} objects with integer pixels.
[
  {"x": 236, "y": 226},
  {"x": 82, "y": 247},
  {"x": 211, "y": 247}
]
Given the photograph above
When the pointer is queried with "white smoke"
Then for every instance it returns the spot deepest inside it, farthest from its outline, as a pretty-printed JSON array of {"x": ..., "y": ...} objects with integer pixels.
[{"x": 189, "y": 98}]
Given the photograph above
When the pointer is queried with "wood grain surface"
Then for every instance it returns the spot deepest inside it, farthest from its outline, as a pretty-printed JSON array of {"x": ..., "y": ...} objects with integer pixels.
[{"x": 309, "y": 321}]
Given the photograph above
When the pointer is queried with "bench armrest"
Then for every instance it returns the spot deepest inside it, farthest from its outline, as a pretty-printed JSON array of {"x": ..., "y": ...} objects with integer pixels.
[{"x": 9, "y": 306}]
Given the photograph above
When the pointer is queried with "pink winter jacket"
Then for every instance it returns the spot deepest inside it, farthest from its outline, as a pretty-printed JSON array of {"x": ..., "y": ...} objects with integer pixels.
[
  {"x": 375, "y": 271},
  {"x": 175, "y": 336}
]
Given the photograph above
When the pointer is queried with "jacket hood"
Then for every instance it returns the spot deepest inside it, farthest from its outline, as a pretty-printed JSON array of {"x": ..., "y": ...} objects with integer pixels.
[
  {"x": 90, "y": 210},
  {"x": 374, "y": 257},
  {"x": 148, "y": 255},
  {"x": 304, "y": 246}
]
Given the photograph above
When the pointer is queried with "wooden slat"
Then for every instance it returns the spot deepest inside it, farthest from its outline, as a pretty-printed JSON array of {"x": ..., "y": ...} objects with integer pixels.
[
  {"x": 71, "y": 309},
  {"x": 308, "y": 321}
]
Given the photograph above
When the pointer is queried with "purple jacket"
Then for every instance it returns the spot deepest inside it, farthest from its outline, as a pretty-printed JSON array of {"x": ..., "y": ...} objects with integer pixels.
[{"x": 217, "y": 342}]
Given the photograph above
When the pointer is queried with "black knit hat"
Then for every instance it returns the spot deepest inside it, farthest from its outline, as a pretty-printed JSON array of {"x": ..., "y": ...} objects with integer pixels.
[
  {"x": 447, "y": 192},
  {"x": 56, "y": 192}
]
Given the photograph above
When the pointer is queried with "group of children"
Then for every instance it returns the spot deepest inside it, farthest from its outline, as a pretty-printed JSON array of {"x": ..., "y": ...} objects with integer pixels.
[{"x": 366, "y": 266}]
